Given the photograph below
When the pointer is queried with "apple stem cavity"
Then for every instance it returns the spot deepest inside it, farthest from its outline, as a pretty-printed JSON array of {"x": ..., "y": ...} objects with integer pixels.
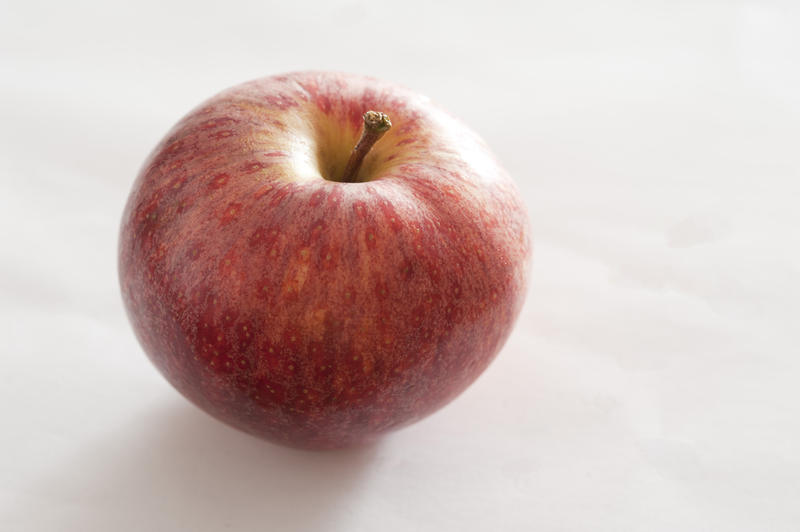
[{"x": 375, "y": 125}]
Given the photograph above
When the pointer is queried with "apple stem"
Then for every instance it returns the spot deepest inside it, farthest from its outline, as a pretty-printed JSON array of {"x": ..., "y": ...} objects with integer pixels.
[{"x": 375, "y": 125}]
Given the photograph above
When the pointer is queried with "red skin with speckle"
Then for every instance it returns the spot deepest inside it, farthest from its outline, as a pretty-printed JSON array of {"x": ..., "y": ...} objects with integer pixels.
[{"x": 311, "y": 312}]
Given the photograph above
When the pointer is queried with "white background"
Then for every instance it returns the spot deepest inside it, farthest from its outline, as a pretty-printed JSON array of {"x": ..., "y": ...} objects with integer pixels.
[{"x": 652, "y": 380}]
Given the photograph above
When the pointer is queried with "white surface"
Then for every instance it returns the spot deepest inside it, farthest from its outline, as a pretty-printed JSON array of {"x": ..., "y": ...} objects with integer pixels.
[{"x": 652, "y": 381}]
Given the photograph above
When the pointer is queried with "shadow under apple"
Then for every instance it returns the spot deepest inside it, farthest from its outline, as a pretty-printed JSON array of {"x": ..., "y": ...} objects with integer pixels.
[{"x": 178, "y": 469}]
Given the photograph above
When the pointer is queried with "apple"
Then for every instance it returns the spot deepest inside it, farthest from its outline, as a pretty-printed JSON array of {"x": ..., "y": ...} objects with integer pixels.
[{"x": 319, "y": 258}]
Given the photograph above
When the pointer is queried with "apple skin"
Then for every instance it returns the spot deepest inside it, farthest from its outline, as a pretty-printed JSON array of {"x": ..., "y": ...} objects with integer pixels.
[{"x": 310, "y": 312}]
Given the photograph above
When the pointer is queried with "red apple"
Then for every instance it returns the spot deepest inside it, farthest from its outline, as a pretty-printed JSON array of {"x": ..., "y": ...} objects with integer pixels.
[{"x": 295, "y": 293}]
